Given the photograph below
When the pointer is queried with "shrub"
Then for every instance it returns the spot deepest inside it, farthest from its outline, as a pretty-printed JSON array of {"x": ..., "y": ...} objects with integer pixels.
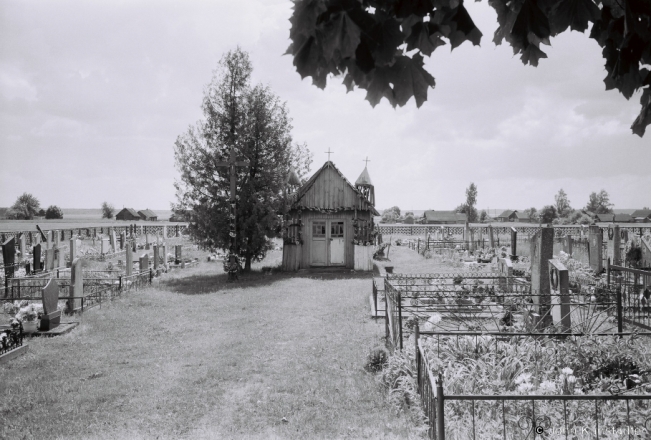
[
  {"x": 376, "y": 360},
  {"x": 53, "y": 212},
  {"x": 107, "y": 210}
]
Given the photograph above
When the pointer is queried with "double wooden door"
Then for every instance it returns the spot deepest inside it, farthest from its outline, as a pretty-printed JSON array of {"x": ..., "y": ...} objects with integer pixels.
[{"x": 328, "y": 243}]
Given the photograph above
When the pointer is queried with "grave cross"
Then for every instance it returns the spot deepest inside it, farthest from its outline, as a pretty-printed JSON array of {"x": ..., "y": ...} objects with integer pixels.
[
  {"x": 232, "y": 163},
  {"x": 329, "y": 153},
  {"x": 367, "y": 160}
]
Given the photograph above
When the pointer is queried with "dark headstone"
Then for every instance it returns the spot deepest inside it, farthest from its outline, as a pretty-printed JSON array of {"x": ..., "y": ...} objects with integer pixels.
[
  {"x": 178, "y": 253},
  {"x": 9, "y": 257},
  {"x": 122, "y": 240},
  {"x": 144, "y": 262},
  {"x": 542, "y": 250},
  {"x": 37, "y": 257},
  {"x": 514, "y": 241},
  {"x": 596, "y": 251},
  {"x": 51, "y": 316}
]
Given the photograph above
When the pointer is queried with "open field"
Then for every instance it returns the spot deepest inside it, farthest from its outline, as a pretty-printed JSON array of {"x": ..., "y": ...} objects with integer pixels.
[{"x": 195, "y": 357}]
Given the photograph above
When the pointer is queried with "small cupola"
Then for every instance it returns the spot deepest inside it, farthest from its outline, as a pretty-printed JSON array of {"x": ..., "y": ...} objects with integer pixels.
[{"x": 365, "y": 186}]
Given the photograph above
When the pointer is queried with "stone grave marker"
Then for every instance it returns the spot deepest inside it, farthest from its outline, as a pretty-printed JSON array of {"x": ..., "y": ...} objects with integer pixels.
[
  {"x": 36, "y": 255},
  {"x": 49, "y": 259},
  {"x": 114, "y": 241},
  {"x": 9, "y": 257},
  {"x": 73, "y": 249},
  {"x": 49, "y": 239},
  {"x": 505, "y": 269},
  {"x": 105, "y": 246},
  {"x": 144, "y": 262},
  {"x": 178, "y": 254},
  {"x": 614, "y": 245},
  {"x": 22, "y": 241},
  {"x": 134, "y": 246},
  {"x": 76, "y": 285},
  {"x": 491, "y": 236},
  {"x": 129, "y": 261},
  {"x": 568, "y": 244},
  {"x": 164, "y": 232},
  {"x": 57, "y": 237},
  {"x": 156, "y": 256},
  {"x": 122, "y": 240},
  {"x": 163, "y": 254},
  {"x": 514, "y": 241},
  {"x": 58, "y": 257},
  {"x": 595, "y": 243},
  {"x": 542, "y": 250},
  {"x": 560, "y": 296},
  {"x": 51, "y": 316}
]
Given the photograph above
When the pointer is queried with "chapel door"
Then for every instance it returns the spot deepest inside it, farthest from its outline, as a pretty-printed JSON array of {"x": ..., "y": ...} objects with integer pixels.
[
  {"x": 337, "y": 243},
  {"x": 319, "y": 248}
]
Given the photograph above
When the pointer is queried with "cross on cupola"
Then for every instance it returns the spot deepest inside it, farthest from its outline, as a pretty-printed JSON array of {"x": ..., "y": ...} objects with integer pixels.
[
  {"x": 329, "y": 153},
  {"x": 364, "y": 184}
]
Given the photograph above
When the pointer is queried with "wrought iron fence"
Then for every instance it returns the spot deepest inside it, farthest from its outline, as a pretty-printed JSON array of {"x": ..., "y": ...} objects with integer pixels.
[
  {"x": 633, "y": 288},
  {"x": 11, "y": 339}
]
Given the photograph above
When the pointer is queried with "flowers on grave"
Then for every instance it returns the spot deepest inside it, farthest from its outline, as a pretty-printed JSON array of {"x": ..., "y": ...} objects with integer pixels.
[{"x": 29, "y": 313}]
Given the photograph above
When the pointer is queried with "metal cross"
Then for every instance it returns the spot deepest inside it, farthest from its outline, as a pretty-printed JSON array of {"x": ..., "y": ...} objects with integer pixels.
[
  {"x": 367, "y": 160},
  {"x": 329, "y": 153}
]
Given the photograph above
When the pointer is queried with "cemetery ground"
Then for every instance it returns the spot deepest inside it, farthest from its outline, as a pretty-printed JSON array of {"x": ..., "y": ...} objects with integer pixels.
[{"x": 271, "y": 356}]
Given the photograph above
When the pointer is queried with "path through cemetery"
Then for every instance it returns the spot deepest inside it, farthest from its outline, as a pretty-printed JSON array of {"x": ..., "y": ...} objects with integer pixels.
[{"x": 278, "y": 358}]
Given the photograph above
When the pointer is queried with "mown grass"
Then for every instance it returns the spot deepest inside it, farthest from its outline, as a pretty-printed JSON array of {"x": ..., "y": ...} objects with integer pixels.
[{"x": 194, "y": 357}]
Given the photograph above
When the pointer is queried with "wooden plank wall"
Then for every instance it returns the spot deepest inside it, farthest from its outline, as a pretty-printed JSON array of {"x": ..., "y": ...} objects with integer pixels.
[
  {"x": 291, "y": 257},
  {"x": 347, "y": 216}
]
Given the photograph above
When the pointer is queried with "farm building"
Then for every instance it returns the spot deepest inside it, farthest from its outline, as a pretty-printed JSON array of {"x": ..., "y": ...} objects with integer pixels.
[
  {"x": 506, "y": 216},
  {"x": 148, "y": 214},
  {"x": 642, "y": 215},
  {"x": 604, "y": 217},
  {"x": 127, "y": 214},
  {"x": 330, "y": 222},
  {"x": 623, "y": 218},
  {"x": 432, "y": 217}
]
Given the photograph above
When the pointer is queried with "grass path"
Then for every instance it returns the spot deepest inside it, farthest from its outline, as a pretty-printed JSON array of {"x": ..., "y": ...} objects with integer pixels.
[{"x": 190, "y": 359}]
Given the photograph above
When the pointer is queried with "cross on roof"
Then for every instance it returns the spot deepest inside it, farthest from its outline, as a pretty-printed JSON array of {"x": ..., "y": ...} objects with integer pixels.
[
  {"x": 329, "y": 153},
  {"x": 367, "y": 160}
]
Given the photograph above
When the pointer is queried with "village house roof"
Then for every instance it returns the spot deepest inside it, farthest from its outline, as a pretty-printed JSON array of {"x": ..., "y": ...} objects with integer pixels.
[
  {"x": 128, "y": 212},
  {"x": 521, "y": 215},
  {"x": 604, "y": 217},
  {"x": 641, "y": 213},
  {"x": 147, "y": 213},
  {"x": 623, "y": 218},
  {"x": 506, "y": 214},
  {"x": 444, "y": 216}
]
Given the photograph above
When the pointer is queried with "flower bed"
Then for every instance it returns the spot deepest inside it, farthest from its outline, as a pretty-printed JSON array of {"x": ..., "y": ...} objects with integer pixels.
[{"x": 566, "y": 370}]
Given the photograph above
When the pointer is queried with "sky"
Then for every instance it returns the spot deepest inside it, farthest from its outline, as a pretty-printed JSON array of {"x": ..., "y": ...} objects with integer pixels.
[{"x": 94, "y": 94}]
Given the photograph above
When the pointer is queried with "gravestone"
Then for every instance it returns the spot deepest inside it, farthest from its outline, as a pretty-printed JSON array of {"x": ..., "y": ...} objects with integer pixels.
[
  {"x": 163, "y": 255},
  {"x": 505, "y": 270},
  {"x": 567, "y": 244},
  {"x": 134, "y": 246},
  {"x": 560, "y": 296},
  {"x": 514, "y": 242},
  {"x": 614, "y": 245},
  {"x": 542, "y": 250},
  {"x": 129, "y": 261},
  {"x": 58, "y": 258},
  {"x": 146, "y": 241},
  {"x": 164, "y": 233},
  {"x": 9, "y": 257},
  {"x": 73, "y": 249},
  {"x": 122, "y": 240},
  {"x": 491, "y": 236},
  {"x": 57, "y": 238},
  {"x": 156, "y": 256},
  {"x": 23, "y": 246},
  {"x": 112, "y": 240},
  {"x": 49, "y": 239},
  {"x": 36, "y": 255},
  {"x": 178, "y": 254},
  {"x": 105, "y": 247},
  {"x": 595, "y": 244},
  {"x": 49, "y": 259},
  {"x": 144, "y": 262},
  {"x": 51, "y": 316},
  {"x": 76, "y": 285}
]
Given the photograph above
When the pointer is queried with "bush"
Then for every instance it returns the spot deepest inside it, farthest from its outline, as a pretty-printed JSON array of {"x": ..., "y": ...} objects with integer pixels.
[
  {"x": 376, "y": 360},
  {"x": 53, "y": 212},
  {"x": 107, "y": 210}
]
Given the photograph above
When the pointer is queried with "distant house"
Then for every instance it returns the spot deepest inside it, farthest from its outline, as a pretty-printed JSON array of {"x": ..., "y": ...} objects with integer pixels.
[
  {"x": 642, "y": 215},
  {"x": 148, "y": 215},
  {"x": 443, "y": 217},
  {"x": 513, "y": 216},
  {"x": 127, "y": 214},
  {"x": 623, "y": 218},
  {"x": 506, "y": 216},
  {"x": 604, "y": 217}
]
